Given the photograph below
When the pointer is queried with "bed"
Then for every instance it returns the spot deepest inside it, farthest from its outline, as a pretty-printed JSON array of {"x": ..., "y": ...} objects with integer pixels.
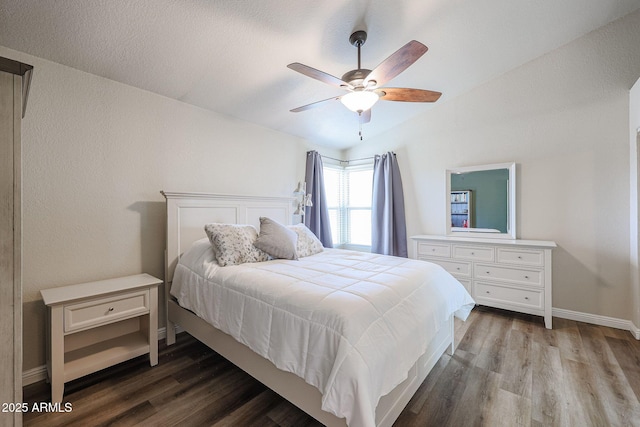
[{"x": 349, "y": 358}]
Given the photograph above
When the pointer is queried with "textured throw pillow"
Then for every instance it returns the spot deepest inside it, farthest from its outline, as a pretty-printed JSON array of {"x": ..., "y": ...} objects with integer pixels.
[
  {"x": 308, "y": 243},
  {"x": 233, "y": 244},
  {"x": 276, "y": 239}
]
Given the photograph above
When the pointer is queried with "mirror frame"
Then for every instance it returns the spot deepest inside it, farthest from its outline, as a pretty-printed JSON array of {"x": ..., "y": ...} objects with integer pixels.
[{"x": 511, "y": 202}]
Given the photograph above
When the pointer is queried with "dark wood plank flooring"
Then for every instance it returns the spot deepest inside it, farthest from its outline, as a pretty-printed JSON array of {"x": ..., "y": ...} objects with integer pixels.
[{"x": 508, "y": 370}]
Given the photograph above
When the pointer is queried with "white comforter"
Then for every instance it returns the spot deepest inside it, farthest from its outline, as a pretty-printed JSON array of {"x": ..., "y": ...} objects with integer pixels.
[{"x": 349, "y": 323}]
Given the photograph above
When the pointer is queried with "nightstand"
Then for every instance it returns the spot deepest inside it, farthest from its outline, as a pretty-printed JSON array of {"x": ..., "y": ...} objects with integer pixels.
[{"x": 95, "y": 325}]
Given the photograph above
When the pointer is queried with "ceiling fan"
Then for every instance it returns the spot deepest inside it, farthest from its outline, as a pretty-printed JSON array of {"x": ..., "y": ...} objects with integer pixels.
[{"x": 365, "y": 86}]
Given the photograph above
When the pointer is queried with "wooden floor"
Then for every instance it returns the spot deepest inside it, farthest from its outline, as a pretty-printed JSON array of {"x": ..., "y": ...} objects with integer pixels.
[{"x": 508, "y": 370}]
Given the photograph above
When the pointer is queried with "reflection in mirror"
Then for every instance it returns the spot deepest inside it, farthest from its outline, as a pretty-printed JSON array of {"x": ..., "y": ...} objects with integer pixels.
[{"x": 481, "y": 201}]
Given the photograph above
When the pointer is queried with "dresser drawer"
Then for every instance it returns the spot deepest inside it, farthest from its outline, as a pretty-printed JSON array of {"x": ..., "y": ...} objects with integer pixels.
[
  {"x": 434, "y": 249},
  {"x": 105, "y": 310},
  {"x": 487, "y": 292},
  {"x": 521, "y": 256},
  {"x": 513, "y": 275},
  {"x": 457, "y": 268},
  {"x": 473, "y": 252},
  {"x": 466, "y": 283}
]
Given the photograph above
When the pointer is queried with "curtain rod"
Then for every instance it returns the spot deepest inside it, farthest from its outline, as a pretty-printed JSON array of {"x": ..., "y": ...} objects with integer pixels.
[
  {"x": 347, "y": 161},
  {"x": 353, "y": 160}
]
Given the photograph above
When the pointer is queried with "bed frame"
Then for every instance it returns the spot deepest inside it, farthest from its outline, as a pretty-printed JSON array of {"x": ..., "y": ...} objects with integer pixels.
[{"x": 186, "y": 215}]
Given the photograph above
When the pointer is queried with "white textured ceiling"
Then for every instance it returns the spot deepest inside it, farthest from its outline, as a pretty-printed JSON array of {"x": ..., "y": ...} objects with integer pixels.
[{"x": 230, "y": 56}]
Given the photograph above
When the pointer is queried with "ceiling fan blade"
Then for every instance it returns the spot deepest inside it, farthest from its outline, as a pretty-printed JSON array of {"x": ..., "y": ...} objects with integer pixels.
[
  {"x": 399, "y": 61},
  {"x": 318, "y": 75},
  {"x": 365, "y": 116},
  {"x": 407, "y": 95},
  {"x": 314, "y": 104}
]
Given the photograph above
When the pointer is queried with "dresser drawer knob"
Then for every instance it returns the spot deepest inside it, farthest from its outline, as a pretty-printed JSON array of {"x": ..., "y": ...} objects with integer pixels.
[
  {"x": 527, "y": 298},
  {"x": 488, "y": 292},
  {"x": 526, "y": 277},
  {"x": 519, "y": 257},
  {"x": 110, "y": 309},
  {"x": 473, "y": 253}
]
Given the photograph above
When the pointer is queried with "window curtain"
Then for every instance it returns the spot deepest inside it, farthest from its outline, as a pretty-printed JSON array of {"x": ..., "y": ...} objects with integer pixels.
[
  {"x": 317, "y": 216},
  {"x": 389, "y": 227}
]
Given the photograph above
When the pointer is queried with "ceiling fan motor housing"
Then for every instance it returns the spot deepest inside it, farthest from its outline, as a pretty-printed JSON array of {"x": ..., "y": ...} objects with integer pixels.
[{"x": 356, "y": 77}]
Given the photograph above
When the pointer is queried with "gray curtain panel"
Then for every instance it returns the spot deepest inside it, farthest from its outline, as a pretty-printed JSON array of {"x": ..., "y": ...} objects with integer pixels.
[
  {"x": 389, "y": 227},
  {"x": 317, "y": 216}
]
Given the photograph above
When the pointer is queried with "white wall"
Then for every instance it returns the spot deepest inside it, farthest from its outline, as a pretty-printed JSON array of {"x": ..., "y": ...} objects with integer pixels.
[
  {"x": 96, "y": 155},
  {"x": 564, "y": 119}
]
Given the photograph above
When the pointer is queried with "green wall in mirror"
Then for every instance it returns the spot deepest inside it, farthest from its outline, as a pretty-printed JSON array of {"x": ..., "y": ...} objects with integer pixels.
[
  {"x": 489, "y": 190},
  {"x": 493, "y": 201}
]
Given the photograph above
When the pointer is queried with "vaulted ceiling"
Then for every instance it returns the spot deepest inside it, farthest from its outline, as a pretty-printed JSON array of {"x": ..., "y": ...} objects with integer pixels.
[{"x": 231, "y": 56}]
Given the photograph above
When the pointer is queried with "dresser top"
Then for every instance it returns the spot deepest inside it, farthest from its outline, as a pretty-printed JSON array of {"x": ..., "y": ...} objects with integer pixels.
[{"x": 501, "y": 242}]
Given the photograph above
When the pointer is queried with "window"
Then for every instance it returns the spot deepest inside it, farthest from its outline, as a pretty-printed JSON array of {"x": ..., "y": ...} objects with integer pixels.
[{"x": 348, "y": 191}]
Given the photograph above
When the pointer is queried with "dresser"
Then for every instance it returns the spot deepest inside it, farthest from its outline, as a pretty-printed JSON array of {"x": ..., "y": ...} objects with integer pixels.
[{"x": 508, "y": 274}]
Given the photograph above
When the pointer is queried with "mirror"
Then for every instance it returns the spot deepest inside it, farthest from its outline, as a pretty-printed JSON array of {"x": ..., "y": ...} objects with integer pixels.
[{"x": 481, "y": 201}]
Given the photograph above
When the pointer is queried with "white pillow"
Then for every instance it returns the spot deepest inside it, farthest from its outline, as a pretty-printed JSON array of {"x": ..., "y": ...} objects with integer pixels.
[
  {"x": 308, "y": 244},
  {"x": 233, "y": 244},
  {"x": 276, "y": 239}
]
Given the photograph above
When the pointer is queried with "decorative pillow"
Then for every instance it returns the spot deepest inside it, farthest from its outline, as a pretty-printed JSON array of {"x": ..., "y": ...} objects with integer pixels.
[
  {"x": 308, "y": 243},
  {"x": 276, "y": 239},
  {"x": 233, "y": 244}
]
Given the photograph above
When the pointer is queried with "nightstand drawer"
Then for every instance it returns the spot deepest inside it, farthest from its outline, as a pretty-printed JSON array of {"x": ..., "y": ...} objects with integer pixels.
[
  {"x": 473, "y": 253},
  {"x": 486, "y": 292},
  {"x": 434, "y": 249},
  {"x": 105, "y": 310},
  {"x": 513, "y": 275},
  {"x": 521, "y": 256}
]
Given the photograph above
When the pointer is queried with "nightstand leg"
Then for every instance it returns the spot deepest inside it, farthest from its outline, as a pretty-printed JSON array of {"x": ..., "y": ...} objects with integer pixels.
[
  {"x": 153, "y": 326},
  {"x": 56, "y": 354}
]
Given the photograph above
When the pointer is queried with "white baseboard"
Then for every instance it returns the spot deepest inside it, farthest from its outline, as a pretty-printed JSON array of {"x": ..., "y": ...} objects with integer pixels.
[
  {"x": 34, "y": 375},
  {"x": 596, "y": 319},
  {"x": 40, "y": 373}
]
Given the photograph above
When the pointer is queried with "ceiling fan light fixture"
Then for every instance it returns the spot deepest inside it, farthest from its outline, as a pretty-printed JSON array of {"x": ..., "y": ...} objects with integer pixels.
[{"x": 359, "y": 101}]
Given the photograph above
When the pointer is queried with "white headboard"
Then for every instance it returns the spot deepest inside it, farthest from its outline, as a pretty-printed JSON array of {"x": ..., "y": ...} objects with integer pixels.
[{"x": 187, "y": 213}]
